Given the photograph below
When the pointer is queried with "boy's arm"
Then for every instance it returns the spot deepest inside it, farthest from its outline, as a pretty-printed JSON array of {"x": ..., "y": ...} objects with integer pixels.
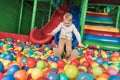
[
  {"x": 56, "y": 29},
  {"x": 77, "y": 34}
]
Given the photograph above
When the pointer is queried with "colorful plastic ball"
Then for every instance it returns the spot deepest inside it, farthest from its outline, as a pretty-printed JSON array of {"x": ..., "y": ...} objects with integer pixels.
[
  {"x": 8, "y": 77},
  {"x": 30, "y": 70},
  {"x": 46, "y": 72},
  {"x": 53, "y": 65},
  {"x": 84, "y": 76},
  {"x": 115, "y": 66},
  {"x": 9, "y": 57},
  {"x": 24, "y": 60},
  {"x": 25, "y": 68},
  {"x": 12, "y": 69},
  {"x": 37, "y": 46},
  {"x": 21, "y": 75},
  {"x": 60, "y": 70},
  {"x": 99, "y": 60},
  {"x": 114, "y": 77},
  {"x": 75, "y": 62},
  {"x": 53, "y": 76},
  {"x": 2, "y": 55},
  {"x": 61, "y": 63},
  {"x": 17, "y": 63},
  {"x": 104, "y": 76},
  {"x": 42, "y": 78},
  {"x": 55, "y": 59},
  {"x": 116, "y": 54},
  {"x": 83, "y": 68},
  {"x": 30, "y": 63},
  {"x": 71, "y": 71},
  {"x": 113, "y": 58},
  {"x": 40, "y": 64},
  {"x": 63, "y": 77},
  {"x": 49, "y": 58},
  {"x": 1, "y": 67},
  {"x": 9, "y": 39},
  {"x": 5, "y": 63},
  {"x": 101, "y": 78},
  {"x": 97, "y": 70},
  {"x": 1, "y": 75},
  {"x": 85, "y": 63},
  {"x": 112, "y": 71},
  {"x": 36, "y": 73}
]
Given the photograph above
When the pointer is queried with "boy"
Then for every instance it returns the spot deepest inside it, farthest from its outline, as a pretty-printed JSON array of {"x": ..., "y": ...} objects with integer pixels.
[{"x": 65, "y": 37}]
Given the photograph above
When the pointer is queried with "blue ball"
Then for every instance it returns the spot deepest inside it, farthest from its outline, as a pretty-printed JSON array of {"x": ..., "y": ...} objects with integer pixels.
[
  {"x": 12, "y": 69},
  {"x": 114, "y": 77},
  {"x": 9, "y": 39},
  {"x": 49, "y": 58},
  {"x": 37, "y": 46},
  {"x": 9, "y": 57},
  {"x": 55, "y": 59},
  {"x": 1, "y": 67},
  {"x": 84, "y": 76},
  {"x": 99, "y": 60},
  {"x": 8, "y": 77},
  {"x": 53, "y": 76},
  {"x": 25, "y": 68},
  {"x": 63, "y": 77},
  {"x": 2, "y": 55},
  {"x": 55, "y": 70}
]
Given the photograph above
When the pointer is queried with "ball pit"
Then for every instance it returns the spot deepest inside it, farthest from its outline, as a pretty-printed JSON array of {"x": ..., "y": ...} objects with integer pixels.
[{"x": 21, "y": 60}]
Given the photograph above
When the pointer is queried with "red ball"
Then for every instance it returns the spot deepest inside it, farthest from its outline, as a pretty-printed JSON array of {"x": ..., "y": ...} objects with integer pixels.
[
  {"x": 42, "y": 78},
  {"x": 60, "y": 70},
  {"x": 81, "y": 70},
  {"x": 89, "y": 60},
  {"x": 61, "y": 63},
  {"x": 99, "y": 55},
  {"x": 30, "y": 62},
  {"x": 85, "y": 63},
  {"x": 1, "y": 76},
  {"x": 90, "y": 70},
  {"x": 75, "y": 62},
  {"x": 47, "y": 72}
]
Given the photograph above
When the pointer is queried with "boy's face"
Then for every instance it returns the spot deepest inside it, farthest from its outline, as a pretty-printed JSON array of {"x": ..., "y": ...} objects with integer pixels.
[{"x": 67, "y": 22}]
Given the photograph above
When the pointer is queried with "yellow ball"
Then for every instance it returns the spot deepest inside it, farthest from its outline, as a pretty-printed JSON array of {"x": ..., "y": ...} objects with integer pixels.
[
  {"x": 1, "y": 60},
  {"x": 36, "y": 73},
  {"x": 53, "y": 65},
  {"x": 104, "y": 55},
  {"x": 102, "y": 78},
  {"x": 5, "y": 63},
  {"x": 82, "y": 60},
  {"x": 30, "y": 70}
]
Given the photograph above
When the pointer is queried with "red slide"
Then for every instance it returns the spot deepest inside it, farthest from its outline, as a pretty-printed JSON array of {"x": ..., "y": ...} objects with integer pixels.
[{"x": 40, "y": 36}]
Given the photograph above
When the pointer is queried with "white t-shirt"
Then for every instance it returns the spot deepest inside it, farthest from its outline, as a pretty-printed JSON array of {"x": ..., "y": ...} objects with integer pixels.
[{"x": 66, "y": 32}]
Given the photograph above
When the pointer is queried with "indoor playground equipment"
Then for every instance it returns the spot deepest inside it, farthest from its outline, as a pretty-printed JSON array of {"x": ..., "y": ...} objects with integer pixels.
[
  {"x": 94, "y": 21},
  {"x": 100, "y": 28},
  {"x": 21, "y": 59}
]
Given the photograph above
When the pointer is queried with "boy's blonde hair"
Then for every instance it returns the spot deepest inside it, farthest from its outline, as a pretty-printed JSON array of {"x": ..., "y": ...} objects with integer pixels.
[{"x": 67, "y": 16}]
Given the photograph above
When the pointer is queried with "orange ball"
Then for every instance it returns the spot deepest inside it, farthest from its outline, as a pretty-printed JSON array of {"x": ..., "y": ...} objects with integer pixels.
[
  {"x": 116, "y": 54},
  {"x": 106, "y": 76},
  {"x": 113, "y": 58},
  {"x": 21, "y": 75}
]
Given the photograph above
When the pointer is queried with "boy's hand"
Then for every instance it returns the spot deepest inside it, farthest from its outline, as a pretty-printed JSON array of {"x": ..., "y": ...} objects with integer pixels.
[
  {"x": 80, "y": 44},
  {"x": 50, "y": 34}
]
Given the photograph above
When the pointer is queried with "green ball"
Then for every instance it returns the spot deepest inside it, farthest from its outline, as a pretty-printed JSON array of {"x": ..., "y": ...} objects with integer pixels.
[
  {"x": 71, "y": 71},
  {"x": 63, "y": 77},
  {"x": 97, "y": 70},
  {"x": 40, "y": 64}
]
